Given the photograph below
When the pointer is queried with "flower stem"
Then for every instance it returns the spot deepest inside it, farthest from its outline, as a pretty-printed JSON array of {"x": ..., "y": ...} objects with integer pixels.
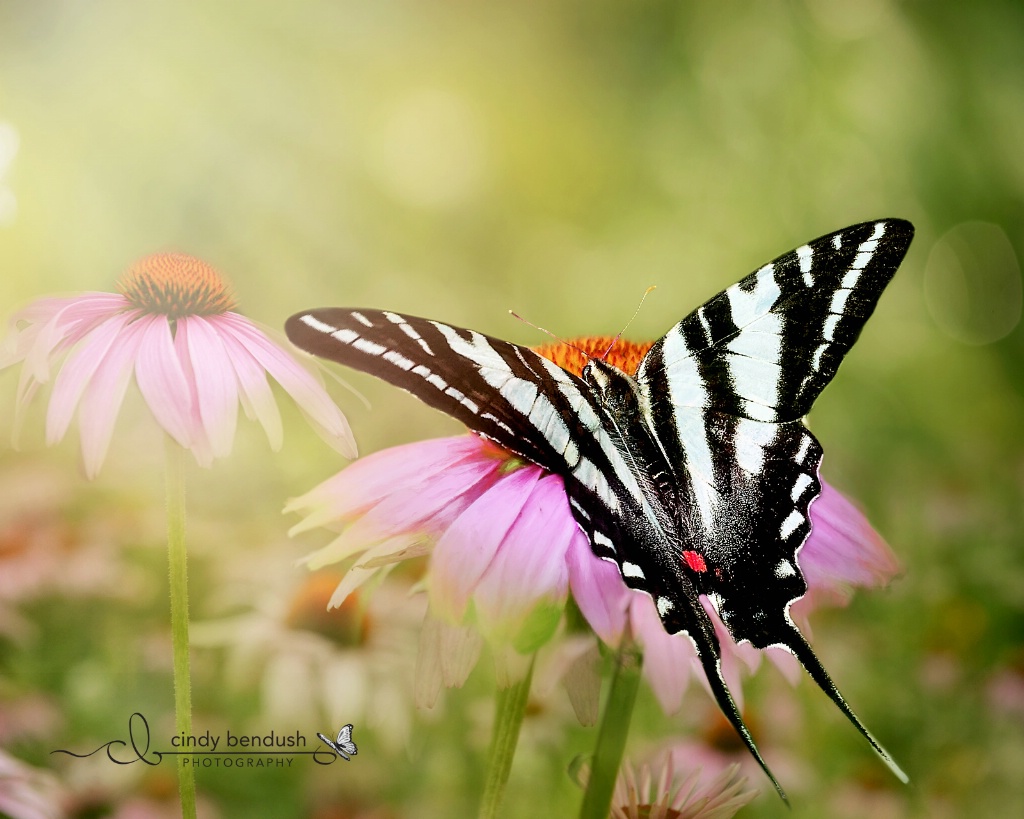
[
  {"x": 611, "y": 736},
  {"x": 177, "y": 558},
  {"x": 508, "y": 719}
]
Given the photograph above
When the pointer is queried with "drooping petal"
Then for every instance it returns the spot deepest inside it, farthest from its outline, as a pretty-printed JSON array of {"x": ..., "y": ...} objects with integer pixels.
[
  {"x": 162, "y": 380},
  {"x": 216, "y": 387},
  {"x": 400, "y": 471},
  {"x": 583, "y": 685},
  {"x": 843, "y": 549},
  {"x": 200, "y": 440},
  {"x": 528, "y": 574},
  {"x": 257, "y": 397},
  {"x": 306, "y": 391},
  {"x": 357, "y": 575},
  {"x": 447, "y": 653},
  {"x": 598, "y": 590},
  {"x": 76, "y": 373},
  {"x": 467, "y": 548},
  {"x": 102, "y": 398},
  {"x": 666, "y": 656}
]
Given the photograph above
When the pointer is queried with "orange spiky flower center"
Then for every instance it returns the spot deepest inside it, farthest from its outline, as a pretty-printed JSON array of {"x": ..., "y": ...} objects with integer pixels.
[
  {"x": 626, "y": 355},
  {"x": 176, "y": 285}
]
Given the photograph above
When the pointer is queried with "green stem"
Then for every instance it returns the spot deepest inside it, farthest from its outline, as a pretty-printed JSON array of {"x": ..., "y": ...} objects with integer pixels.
[
  {"x": 611, "y": 737},
  {"x": 177, "y": 558},
  {"x": 508, "y": 719}
]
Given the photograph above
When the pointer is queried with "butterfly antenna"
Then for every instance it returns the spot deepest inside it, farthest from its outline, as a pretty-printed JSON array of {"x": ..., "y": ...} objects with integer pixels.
[
  {"x": 559, "y": 339},
  {"x": 809, "y": 660},
  {"x": 615, "y": 340}
]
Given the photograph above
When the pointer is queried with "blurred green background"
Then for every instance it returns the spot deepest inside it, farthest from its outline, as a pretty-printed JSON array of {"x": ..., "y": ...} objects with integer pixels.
[{"x": 455, "y": 160}]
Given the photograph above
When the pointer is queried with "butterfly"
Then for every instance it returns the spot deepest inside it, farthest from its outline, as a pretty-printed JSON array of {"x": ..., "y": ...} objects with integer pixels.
[
  {"x": 343, "y": 746},
  {"x": 696, "y": 474}
]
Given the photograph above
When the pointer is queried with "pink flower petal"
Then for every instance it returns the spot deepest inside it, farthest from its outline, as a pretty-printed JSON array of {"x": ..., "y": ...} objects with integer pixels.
[
  {"x": 529, "y": 567},
  {"x": 255, "y": 392},
  {"x": 67, "y": 321},
  {"x": 464, "y": 552},
  {"x": 843, "y": 549},
  {"x": 432, "y": 506},
  {"x": 162, "y": 380},
  {"x": 304, "y": 389},
  {"x": 398, "y": 471},
  {"x": 216, "y": 387},
  {"x": 76, "y": 373},
  {"x": 666, "y": 656},
  {"x": 102, "y": 399},
  {"x": 199, "y": 439},
  {"x": 598, "y": 590}
]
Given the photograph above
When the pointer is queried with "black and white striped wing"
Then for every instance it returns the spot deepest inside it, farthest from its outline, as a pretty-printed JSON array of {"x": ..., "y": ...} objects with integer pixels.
[
  {"x": 764, "y": 348},
  {"x": 727, "y": 388},
  {"x": 507, "y": 393}
]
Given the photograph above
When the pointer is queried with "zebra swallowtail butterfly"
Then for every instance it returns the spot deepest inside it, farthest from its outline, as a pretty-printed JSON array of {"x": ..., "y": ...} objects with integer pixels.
[{"x": 695, "y": 475}]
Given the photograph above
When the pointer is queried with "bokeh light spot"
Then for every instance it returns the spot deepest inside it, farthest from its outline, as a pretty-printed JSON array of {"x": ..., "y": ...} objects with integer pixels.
[{"x": 972, "y": 283}]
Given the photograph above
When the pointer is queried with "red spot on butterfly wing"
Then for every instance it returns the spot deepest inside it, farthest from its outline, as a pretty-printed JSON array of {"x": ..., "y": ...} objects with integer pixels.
[{"x": 695, "y": 561}]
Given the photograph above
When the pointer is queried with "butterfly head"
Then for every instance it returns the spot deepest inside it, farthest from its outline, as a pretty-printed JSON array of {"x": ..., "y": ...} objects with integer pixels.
[{"x": 614, "y": 388}]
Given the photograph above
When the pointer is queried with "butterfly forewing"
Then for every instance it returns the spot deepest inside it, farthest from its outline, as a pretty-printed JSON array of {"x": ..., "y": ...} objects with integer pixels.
[
  {"x": 510, "y": 394},
  {"x": 766, "y": 347}
]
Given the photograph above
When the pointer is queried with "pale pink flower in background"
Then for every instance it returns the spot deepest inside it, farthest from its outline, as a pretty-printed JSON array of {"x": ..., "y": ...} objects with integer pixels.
[
  {"x": 193, "y": 358},
  {"x": 9, "y": 141},
  {"x": 353, "y": 664},
  {"x": 504, "y": 552},
  {"x": 27, "y": 792},
  {"x": 638, "y": 795}
]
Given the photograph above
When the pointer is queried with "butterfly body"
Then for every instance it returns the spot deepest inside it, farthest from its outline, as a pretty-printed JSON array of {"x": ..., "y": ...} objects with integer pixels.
[{"x": 695, "y": 474}]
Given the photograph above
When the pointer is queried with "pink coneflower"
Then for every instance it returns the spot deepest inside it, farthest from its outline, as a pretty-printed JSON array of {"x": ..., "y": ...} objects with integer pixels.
[
  {"x": 172, "y": 324},
  {"x": 194, "y": 360},
  {"x": 27, "y": 792},
  {"x": 505, "y": 551},
  {"x": 638, "y": 795},
  {"x": 352, "y": 664}
]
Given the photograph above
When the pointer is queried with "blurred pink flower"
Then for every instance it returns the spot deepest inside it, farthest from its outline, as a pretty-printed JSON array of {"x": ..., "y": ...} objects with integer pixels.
[
  {"x": 27, "y": 792},
  {"x": 194, "y": 361},
  {"x": 638, "y": 796},
  {"x": 504, "y": 551}
]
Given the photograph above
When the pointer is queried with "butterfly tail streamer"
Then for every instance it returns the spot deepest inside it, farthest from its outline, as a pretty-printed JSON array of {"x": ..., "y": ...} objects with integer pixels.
[
  {"x": 809, "y": 660},
  {"x": 707, "y": 648},
  {"x": 713, "y": 671}
]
